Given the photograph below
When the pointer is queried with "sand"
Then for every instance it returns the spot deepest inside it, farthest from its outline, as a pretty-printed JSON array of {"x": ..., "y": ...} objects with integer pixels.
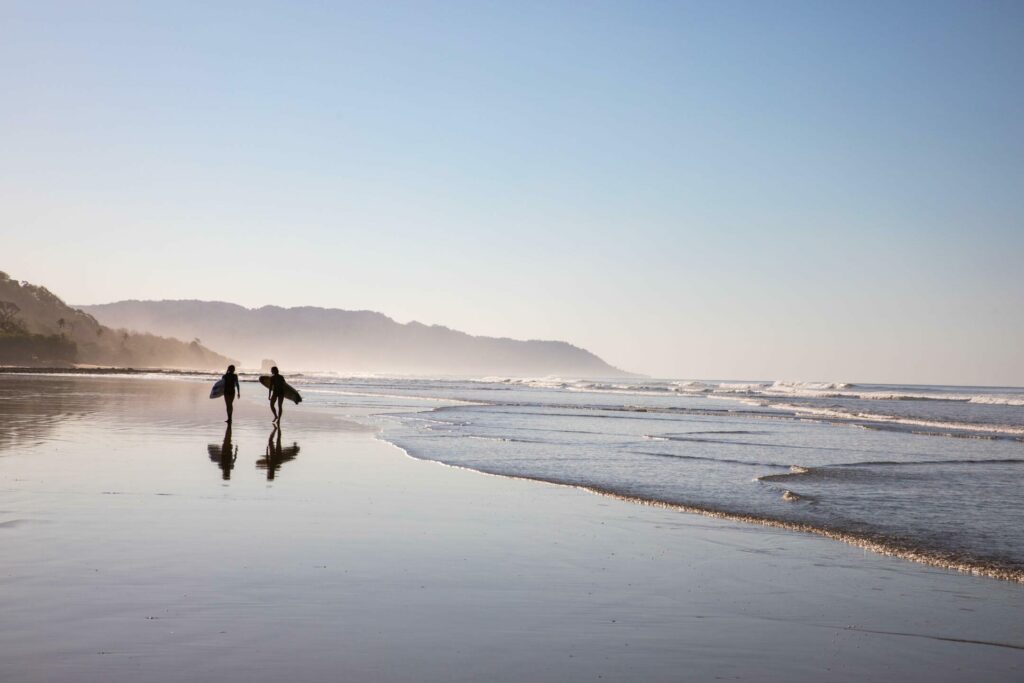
[{"x": 127, "y": 556}]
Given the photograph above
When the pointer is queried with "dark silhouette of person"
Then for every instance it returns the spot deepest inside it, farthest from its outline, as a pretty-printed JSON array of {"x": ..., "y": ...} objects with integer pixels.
[
  {"x": 230, "y": 385},
  {"x": 277, "y": 384},
  {"x": 224, "y": 455},
  {"x": 276, "y": 455}
]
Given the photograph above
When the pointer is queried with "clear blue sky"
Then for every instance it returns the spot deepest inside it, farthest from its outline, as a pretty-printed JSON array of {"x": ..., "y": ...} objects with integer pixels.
[{"x": 769, "y": 190}]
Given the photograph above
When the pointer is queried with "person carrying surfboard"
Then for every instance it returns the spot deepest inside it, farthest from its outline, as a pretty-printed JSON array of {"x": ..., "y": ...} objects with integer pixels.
[
  {"x": 230, "y": 380},
  {"x": 277, "y": 389}
]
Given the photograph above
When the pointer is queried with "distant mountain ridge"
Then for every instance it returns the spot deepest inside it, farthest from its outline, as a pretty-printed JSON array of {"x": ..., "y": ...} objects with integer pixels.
[
  {"x": 311, "y": 338},
  {"x": 38, "y": 329}
]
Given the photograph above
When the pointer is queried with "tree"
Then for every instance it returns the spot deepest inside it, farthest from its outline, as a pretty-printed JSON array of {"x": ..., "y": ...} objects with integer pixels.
[
  {"x": 8, "y": 316},
  {"x": 61, "y": 322}
]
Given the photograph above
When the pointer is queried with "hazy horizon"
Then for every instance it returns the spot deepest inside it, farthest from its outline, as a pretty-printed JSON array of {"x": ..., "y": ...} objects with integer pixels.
[
  {"x": 790, "y": 191},
  {"x": 629, "y": 370},
  {"x": 356, "y": 342}
]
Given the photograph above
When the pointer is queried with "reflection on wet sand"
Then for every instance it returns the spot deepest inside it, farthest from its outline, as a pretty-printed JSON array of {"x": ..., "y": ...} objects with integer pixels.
[
  {"x": 276, "y": 455},
  {"x": 32, "y": 408},
  {"x": 35, "y": 408},
  {"x": 224, "y": 454}
]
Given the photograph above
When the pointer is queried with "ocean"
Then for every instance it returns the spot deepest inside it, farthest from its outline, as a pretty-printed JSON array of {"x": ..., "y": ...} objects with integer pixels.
[{"x": 933, "y": 474}]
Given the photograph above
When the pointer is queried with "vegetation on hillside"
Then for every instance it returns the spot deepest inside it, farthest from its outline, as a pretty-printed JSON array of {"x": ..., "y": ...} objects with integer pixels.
[{"x": 38, "y": 328}]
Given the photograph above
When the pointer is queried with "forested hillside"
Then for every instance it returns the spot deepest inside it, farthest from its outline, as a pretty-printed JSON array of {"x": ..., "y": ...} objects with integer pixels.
[{"x": 38, "y": 328}]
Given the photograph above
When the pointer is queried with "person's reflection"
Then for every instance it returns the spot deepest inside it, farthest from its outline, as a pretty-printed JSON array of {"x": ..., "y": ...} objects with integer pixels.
[
  {"x": 276, "y": 455},
  {"x": 224, "y": 455}
]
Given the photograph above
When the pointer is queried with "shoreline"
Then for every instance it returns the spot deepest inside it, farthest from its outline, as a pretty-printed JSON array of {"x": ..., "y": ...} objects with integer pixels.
[
  {"x": 877, "y": 544},
  {"x": 135, "y": 551}
]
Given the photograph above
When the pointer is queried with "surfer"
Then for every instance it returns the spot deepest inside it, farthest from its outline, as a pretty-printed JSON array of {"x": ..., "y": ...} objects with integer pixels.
[
  {"x": 277, "y": 385},
  {"x": 230, "y": 380}
]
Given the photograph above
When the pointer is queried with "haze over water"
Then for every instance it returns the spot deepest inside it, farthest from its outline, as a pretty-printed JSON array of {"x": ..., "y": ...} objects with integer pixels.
[
  {"x": 391, "y": 201},
  {"x": 686, "y": 189}
]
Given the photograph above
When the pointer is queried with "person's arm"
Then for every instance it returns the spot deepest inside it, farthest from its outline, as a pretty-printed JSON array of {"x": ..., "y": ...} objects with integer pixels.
[{"x": 238, "y": 385}]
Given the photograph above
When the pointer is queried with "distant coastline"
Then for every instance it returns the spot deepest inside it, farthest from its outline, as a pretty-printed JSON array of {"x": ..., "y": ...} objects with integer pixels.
[
  {"x": 78, "y": 370},
  {"x": 359, "y": 341}
]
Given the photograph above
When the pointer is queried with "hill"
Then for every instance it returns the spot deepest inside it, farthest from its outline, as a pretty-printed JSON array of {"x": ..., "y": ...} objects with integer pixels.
[
  {"x": 309, "y": 338},
  {"x": 38, "y": 329}
]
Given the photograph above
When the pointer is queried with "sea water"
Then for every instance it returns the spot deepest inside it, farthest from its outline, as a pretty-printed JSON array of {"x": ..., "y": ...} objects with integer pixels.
[{"x": 930, "y": 473}]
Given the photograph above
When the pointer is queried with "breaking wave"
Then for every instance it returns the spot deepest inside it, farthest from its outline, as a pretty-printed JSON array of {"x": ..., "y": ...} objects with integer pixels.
[{"x": 774, "y": 389}]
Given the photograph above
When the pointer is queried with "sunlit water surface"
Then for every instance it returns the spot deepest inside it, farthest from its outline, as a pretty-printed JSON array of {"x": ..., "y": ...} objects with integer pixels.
[
  {"x": 927, "y": 473},
  {"x": 931, "y": 473}
]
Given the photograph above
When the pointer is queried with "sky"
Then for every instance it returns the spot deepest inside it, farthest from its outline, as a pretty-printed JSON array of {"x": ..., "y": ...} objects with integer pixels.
[{"x": 820, "y": 191}]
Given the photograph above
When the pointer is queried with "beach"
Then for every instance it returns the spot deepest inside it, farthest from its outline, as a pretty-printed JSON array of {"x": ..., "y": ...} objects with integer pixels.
[{"x": 139, "y": 544}]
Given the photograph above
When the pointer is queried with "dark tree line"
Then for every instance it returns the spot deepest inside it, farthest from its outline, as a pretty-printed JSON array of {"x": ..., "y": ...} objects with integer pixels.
[
  {"x": 29, "y": 348},
  {"x": 17, "y": 345},
  {"x": 9, "y": 318}
]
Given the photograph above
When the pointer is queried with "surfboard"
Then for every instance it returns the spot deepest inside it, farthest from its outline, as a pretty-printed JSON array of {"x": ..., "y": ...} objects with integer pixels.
[
  {"x": 289, "y": 390},
  {"x": 218, "y": 389}
]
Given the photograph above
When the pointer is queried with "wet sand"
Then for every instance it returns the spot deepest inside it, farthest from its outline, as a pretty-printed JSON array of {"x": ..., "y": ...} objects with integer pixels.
[{"x": 139, "y": 545}]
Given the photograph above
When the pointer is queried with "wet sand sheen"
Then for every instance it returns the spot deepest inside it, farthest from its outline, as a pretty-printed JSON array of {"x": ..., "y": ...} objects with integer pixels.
[{"x": 141, "y": 543}]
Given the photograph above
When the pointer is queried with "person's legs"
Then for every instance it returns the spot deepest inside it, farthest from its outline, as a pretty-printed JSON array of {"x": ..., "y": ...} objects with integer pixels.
[
  {"x": 229, "y": 402},
  {"x": 272, "y": 408},
  {"x": 280, "y": 407}
]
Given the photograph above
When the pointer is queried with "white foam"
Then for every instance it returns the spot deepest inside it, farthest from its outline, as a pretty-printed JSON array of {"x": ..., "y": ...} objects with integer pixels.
[
  {"x": 780, "y": 385},
  {"x": 908, "y": 421},
  {"x": 1009, "y": 400},
  {"x": 741, "y": 386},
  {"x": 847, "y": 390}
]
